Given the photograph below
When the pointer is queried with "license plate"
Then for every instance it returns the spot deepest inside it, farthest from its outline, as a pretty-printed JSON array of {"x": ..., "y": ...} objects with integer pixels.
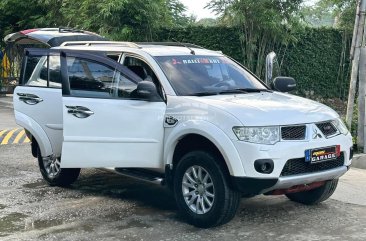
[{"x": 322, "y": 154}]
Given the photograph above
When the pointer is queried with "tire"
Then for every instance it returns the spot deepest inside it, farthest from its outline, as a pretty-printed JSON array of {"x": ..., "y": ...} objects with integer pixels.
[
  {"x": 59, "y": 176},
  {"x": 316, "y": 195},
  {"x": 224, "y": 202}
]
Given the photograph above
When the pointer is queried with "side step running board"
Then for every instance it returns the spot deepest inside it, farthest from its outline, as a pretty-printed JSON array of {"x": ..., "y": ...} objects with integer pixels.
[{"x": 142, "y": 174}]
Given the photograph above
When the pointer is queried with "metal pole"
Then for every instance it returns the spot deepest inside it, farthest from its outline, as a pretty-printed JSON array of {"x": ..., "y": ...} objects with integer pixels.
[
  {"x": 361, "y": 98},
  {"x": 355, "y": 63},
  {"x": 355, "y": 28}
]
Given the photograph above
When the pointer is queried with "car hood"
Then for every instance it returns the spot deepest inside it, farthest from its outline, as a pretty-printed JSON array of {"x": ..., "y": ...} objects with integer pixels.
[{"x": 265, "y": 108}]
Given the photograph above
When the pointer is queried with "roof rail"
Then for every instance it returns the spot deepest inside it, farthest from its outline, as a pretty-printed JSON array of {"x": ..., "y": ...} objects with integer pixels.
[
  {"x": 95, "y": 43},
  {"x": 175, "y": 44},
  {"x": 71, "y": 30}
]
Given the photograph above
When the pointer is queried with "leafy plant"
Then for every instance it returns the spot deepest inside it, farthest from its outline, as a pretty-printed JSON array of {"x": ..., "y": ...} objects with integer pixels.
[
  {"x": 113, "y": 18},
  {"x": 343, "y": 11},
  {"x": 319, "y": 60},
  {"x": 263, "y": 26}
]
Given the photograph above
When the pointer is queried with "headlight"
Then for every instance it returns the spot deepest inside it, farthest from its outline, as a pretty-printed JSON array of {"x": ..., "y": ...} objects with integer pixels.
[
  {"x": 342, "y": 128},
  {"x": 261, "y": 135}
]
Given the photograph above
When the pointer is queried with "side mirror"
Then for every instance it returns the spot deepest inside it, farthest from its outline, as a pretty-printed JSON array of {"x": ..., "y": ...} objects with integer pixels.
[
  {"x": 271, "y": 60},
  {"x": 284, "y": 84},
  {"x": 147, "y": 90}
]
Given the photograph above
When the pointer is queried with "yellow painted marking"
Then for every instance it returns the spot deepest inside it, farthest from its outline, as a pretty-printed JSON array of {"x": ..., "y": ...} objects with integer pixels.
[
  {"x": 19, "y": 136},
  {"x": 2, "y": 132},
  {"x": 7, "y": 137},
  {"x": 26, "y": 140}
]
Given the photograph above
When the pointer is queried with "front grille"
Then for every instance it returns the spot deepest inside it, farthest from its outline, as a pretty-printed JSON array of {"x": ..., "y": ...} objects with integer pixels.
[
  {"x": 327, "y": 128},
  {"x": 293, "y": 132},
  {"x": 299, "y": 166}
]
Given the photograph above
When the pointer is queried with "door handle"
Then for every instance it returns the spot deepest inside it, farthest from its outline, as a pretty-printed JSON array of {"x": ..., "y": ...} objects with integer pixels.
[
  {"x": 79, "y": 111},
  {"x": 29, "y": 99}
]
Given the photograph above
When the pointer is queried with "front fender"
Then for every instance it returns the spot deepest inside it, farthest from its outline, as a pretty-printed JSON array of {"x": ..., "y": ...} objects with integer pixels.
[
  {"x": 212, "y": 133},
  {"x": 37, "y": 132}
]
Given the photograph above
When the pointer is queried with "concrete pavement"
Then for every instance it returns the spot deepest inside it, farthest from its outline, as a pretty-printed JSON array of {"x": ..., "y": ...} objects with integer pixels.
[
  {"x": 7, "y": 120},
  {"x": 6, "y": 101},
  {"x": 105, "y": 206},
  {"x": 359, "y": 161},
  {"x": 352, "y": 187}
]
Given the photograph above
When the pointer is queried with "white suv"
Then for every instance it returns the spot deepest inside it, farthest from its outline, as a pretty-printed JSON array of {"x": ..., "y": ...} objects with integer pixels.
[{"x": 184, "y": 116}]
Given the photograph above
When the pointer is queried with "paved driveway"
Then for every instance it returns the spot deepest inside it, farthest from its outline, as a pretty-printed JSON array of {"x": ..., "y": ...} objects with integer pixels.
[{"x": 105, "y": 206}]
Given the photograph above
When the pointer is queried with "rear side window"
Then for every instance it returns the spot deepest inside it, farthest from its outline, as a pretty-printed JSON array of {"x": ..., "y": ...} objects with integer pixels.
[{"x": 42, "y": 71}]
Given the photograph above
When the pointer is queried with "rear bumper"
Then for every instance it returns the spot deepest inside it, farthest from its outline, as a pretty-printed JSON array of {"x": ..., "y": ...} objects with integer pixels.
[{"x": 255, "y": 186}]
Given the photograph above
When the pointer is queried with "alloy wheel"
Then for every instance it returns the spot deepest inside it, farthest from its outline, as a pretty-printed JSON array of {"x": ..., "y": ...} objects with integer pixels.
[
  {"x": 198, "y": 189},
  {"x": 52, "y": 166}
]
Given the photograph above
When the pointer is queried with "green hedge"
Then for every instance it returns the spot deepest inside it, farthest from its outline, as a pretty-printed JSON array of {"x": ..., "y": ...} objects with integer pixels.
[
  {"x": 318, "y": 60},
  {"x": 215, "y": 38}
]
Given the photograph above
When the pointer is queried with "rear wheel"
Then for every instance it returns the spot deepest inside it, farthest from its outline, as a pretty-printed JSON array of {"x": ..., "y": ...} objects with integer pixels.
[
  {"x": 53, "y": 173},
  {"x": 202, "y": 190},
  {"x": 316, "y": 195}
]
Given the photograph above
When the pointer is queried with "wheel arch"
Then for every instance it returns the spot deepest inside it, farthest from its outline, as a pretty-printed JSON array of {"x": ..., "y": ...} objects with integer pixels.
[
  {"x": 36, "y": 132},
  {"x": 203, "y": 135}
]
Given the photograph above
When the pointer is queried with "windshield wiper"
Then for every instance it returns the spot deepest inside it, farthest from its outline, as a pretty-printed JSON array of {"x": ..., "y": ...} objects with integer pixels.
[
  {"x": 219, "y": 92},
  {"x": 204, "y": 93},
  {"x": 248, "y": 90},
  {"x": 233, "y": 91}
]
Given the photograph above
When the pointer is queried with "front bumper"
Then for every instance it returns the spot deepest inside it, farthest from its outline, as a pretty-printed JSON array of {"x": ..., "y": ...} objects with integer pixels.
[
  {"x": 258, "y": 183},
  {"x": 253, "y": 186},
  {"x": 283, "y": 151}
]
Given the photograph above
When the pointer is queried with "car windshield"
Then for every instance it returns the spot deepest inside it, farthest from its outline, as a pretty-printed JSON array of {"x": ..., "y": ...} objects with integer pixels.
[{"x": 207, "y": 75}]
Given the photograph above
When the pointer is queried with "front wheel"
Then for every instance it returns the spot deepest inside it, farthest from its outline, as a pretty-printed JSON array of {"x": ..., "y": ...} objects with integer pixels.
[
  {"x": 316, "y": 195},
  {"x": 202, "y": 190},
  {"x": 53, "y": 173}
]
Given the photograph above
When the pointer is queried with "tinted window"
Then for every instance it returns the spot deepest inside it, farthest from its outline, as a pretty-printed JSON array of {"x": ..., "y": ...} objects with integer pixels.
[
  {"x": 54, "y": 75},
  {"x": 125, "y": 88},
  {"x": 191, "y": 74},
  {"x": 39, "y": 70},
  {"x": 90, "y": 79},
  {"x": 33, "y": 69},
  {"x": 142, "y": 70}
]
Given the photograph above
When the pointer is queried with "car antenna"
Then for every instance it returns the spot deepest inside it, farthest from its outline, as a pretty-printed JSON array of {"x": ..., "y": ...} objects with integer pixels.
[{"x": 184, "y": 45}]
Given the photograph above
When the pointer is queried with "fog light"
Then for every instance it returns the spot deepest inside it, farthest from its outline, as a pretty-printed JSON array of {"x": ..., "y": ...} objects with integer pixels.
[{"x": 264, "y": 166}]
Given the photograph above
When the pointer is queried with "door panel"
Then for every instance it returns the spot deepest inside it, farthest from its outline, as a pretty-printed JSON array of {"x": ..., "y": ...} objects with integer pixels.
[
  {"x": 120, "y": 133},
  {"x": 103, "y": 126},
  {"x": 36, "y": 99},
  {"x": 47, "y": 113}
]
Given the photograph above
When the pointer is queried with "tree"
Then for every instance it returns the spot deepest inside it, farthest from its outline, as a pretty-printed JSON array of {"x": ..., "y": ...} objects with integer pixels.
[
  {"x": 17, "y": 15},
  {"x": 316, "y": 16},
  {"x": 342, "y": 10},
  {"x": 262, "y": 25},
  {"x": 177, "y": 10},
  {"x": 117, "y": 19},
  {"x": 207, "y": 22}
]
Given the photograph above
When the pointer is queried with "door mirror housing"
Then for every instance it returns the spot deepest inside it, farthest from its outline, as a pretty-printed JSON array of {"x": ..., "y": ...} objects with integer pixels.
[
  {"x": 270, "y": 59},
  {"x": 147, "y": 90},
  {"x": 284, "y": 84},
  {"x": 272, "y": 68}
]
